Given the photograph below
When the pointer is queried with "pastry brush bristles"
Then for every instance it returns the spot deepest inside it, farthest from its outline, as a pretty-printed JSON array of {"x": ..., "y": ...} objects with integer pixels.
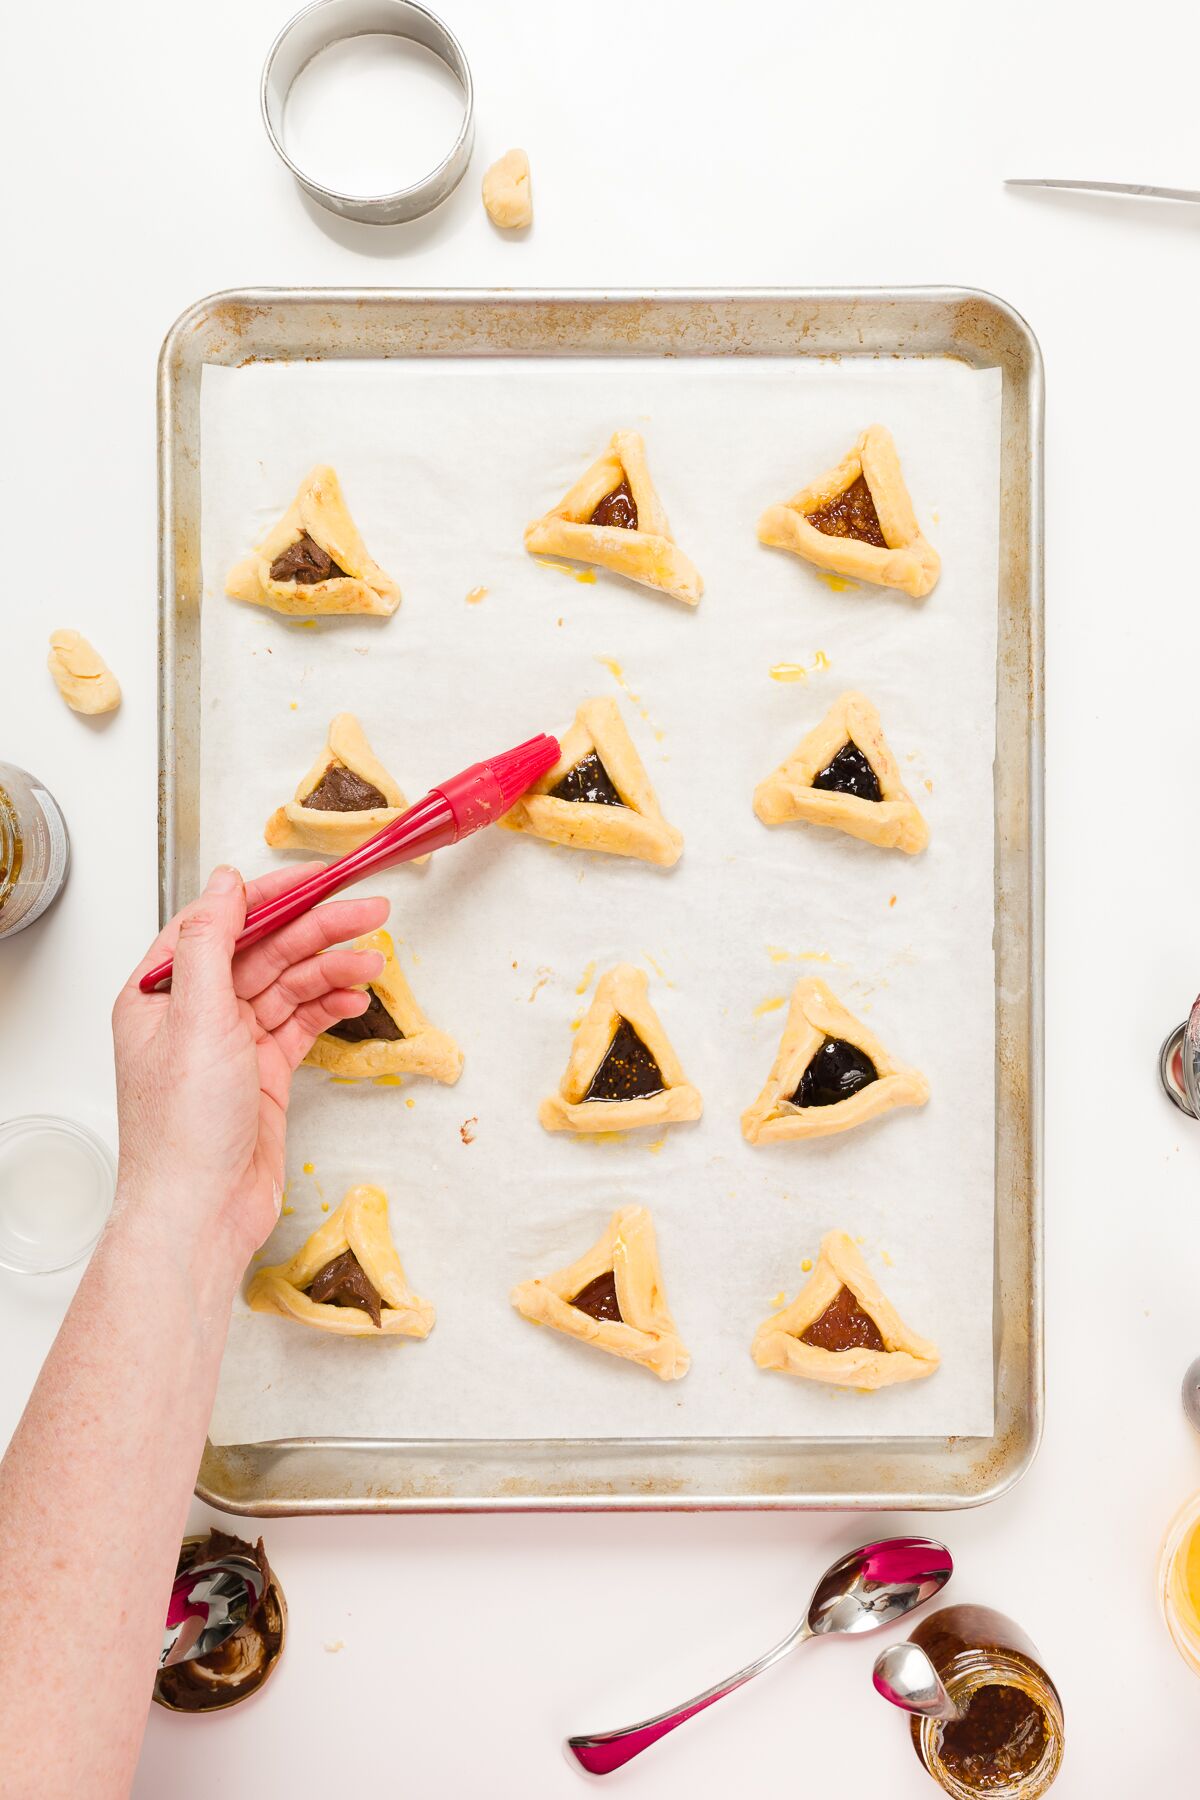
[{"x": 519, "y": 768}]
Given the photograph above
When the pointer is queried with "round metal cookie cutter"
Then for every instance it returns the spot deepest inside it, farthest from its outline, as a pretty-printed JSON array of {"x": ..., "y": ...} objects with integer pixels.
[{"x": 330, "y": 22}]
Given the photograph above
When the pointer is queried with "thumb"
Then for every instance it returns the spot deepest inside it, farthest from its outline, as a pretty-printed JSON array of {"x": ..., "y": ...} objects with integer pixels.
[{"x": 207, "y": 934}]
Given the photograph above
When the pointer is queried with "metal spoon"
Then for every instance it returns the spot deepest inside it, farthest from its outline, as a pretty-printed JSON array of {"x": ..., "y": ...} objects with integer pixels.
[
  {"x": 1137, "y": 189},
  {"x": 905, "y": 1676},
  {"x": 864, "y": 1590},
  {"x": 209, "y": 1602}
]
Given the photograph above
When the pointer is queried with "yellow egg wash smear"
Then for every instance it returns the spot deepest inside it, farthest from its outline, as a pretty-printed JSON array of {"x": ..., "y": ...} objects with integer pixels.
[
  {"x": 794, "y": 671},
  {"x": 585, "y": 575}
]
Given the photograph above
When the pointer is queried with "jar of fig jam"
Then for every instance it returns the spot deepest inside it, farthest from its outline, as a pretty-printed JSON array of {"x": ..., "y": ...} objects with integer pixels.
[
  {"x": 35, "y": 851},
  {"x": 1009, "y": 1743}
]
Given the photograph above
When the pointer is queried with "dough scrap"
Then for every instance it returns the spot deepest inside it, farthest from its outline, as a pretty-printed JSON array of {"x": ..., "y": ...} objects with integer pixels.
[
  {"x": 507, "y": 194},
  {"x": 82, "y": 676}
]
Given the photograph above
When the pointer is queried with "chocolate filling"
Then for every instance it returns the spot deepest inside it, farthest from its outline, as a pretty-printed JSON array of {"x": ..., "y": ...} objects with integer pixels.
[
  {"x": 843, "y": 1326},
  {"x": 242, "y": 1663},
  {"x": 617, "y": 508},
  {"x": 1001, "y": 1739},
  {"x": 849, "y": 773},
  {"x": 627, "y": 1070},
  {"x": 344, "y": 1282},
  {"x": 599, "y": 1298},
  {"x": 589, "y": 782},
  {"x": 376, "y": 1023},
  {"x": 304, "y": 562},
  {"x": 850, "y": 515},
  {"x": 341, "y": 790},
  {"x": 836, "y": 1071}
]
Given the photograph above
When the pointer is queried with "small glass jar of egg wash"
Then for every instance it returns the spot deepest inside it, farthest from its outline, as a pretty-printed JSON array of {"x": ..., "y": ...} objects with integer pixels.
[
  {"x": 35, "y": 851},
  {"x": 1179, "y": 1581},
  {"x": 1008, "y": 1743}
]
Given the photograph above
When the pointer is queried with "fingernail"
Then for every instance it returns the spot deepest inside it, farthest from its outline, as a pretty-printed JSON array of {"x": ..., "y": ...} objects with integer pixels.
[
  {"x": 379, "y": 962},
  {"x": 223, "y": 880}
]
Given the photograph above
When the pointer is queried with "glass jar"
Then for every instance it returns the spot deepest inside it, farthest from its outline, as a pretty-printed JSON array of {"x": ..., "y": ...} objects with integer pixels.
[
  {"x": 1009, "y": 1745},
  {"x": 35, "y": 851},
  {"x": 1179, "y": 1581}
]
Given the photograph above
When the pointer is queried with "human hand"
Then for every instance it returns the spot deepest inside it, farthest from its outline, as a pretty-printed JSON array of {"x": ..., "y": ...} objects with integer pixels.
[{"x": 204, "y": 1072}]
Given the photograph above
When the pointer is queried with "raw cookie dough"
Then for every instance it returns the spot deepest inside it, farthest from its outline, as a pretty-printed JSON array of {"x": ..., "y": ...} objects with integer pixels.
[
  {"x": 613, "y": 1298},
  {"x": 314, "y": 560},
  {"x": 623, "y": 1071},
  {"x": 829, "y": 1075},
  {"x": 858, "y": 520},
  {"x": 345, "y": 798},
  {"x": 843, "y": 774},
  {"x": 507, "y": 193},
  {"x": 842, "y": 1328},
  {"x": 598, "y": 795},
  {"x": 84, "y": 679},
  {"x": 614, "y": 517},
  {"x": 347, "y": 1277},
  {"x": 393, "y": 1036}
]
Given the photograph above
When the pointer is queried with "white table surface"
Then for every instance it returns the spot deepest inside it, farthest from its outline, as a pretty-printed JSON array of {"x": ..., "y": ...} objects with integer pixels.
[{"x": 763, "y": 143}]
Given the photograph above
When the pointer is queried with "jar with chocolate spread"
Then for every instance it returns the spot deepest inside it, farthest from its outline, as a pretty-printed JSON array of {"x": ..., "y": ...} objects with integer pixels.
[
  {"x": 1008, "y": 1745},
  {"x": 35, "y": 851}
]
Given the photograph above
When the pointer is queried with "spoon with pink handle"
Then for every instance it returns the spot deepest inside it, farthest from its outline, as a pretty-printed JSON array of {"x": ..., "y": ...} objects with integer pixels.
[{"x": 864, "y": 1590}]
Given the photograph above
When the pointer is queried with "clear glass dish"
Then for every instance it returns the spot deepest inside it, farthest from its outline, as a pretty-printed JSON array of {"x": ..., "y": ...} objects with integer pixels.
[{"x": 57, "y": 1181}]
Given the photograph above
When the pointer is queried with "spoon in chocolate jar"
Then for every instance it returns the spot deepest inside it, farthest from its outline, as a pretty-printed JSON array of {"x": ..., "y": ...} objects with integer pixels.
[
  {"x": 905, "y": 1676},
  {"x": 864, "y": 1590},
  {"x": 209, "y": 1602}
]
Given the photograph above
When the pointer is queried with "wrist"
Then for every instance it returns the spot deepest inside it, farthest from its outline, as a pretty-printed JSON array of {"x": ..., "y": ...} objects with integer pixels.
[{"x": 187, "y": 1246}]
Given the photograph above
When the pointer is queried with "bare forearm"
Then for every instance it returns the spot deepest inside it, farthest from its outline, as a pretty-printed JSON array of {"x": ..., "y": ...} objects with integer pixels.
[
  {"x": 94, "y": 1490},
  {"x": 100, "y": 1472}
]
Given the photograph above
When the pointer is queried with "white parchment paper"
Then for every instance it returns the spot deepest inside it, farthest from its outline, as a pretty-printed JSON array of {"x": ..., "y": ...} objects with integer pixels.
[{"x": 443, "y": 463}]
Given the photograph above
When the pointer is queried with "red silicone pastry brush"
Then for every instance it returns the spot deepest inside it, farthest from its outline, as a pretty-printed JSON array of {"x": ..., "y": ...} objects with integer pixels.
[{"x": 450, "y": 811}]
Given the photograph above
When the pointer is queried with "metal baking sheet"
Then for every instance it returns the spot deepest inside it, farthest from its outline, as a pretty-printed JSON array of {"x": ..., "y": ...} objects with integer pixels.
[{"x": 341, "y": 1474}]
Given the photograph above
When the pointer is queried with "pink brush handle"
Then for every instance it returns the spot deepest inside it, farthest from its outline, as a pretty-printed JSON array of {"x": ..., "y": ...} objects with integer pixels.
[
  {"x": 424, "y": 827},
  {"x": 465, "y": 803}
]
